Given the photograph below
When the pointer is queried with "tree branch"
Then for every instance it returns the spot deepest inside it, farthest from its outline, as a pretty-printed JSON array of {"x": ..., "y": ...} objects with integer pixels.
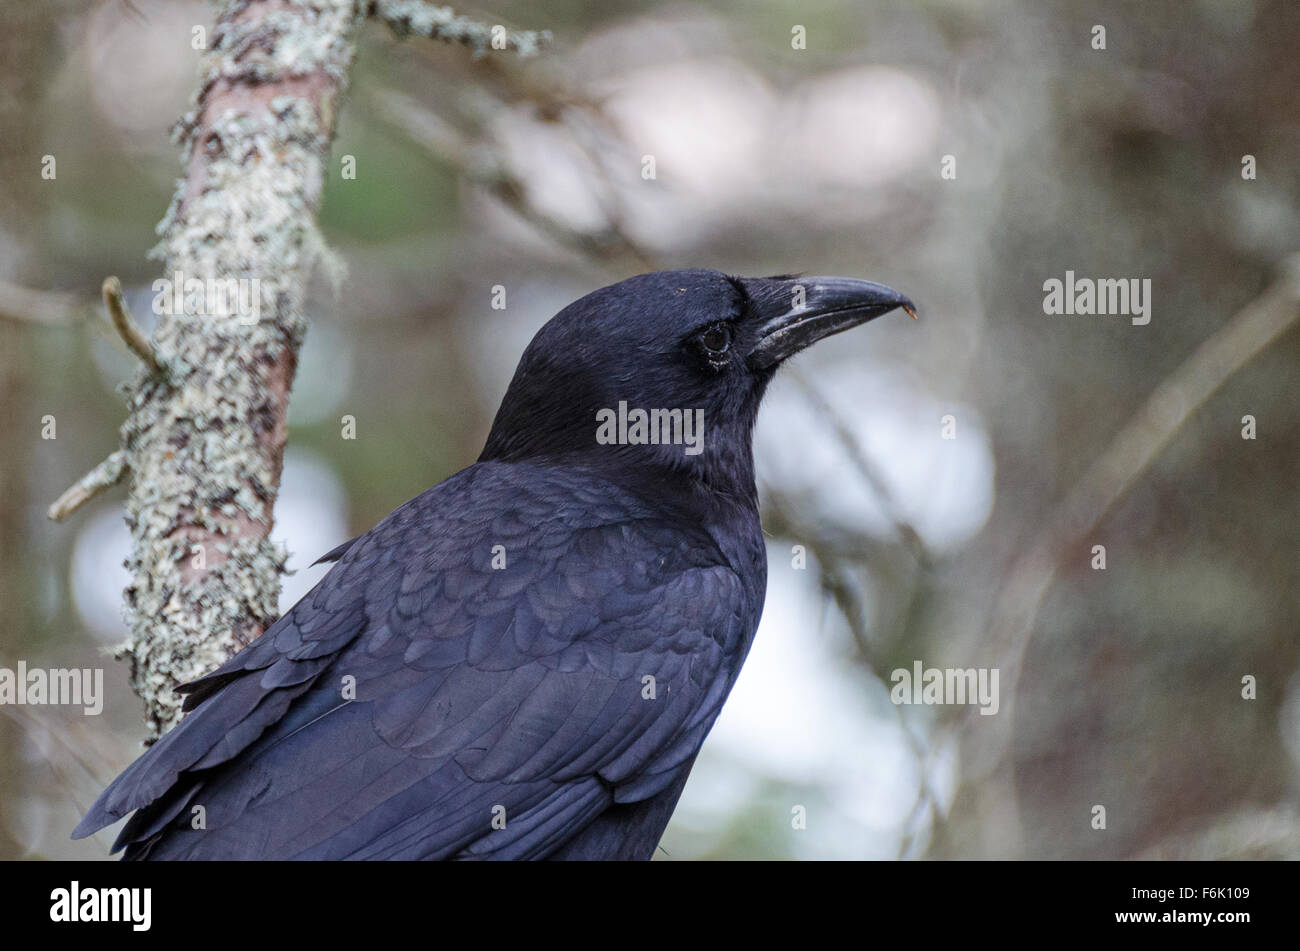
[
  {"x": 105, "y": 475},
  {"x": 126, "y": 326},
  {"x": 25, "y": 305},
  {"x": 204, "y": 442},
  {"x": 405, "y": 17}
]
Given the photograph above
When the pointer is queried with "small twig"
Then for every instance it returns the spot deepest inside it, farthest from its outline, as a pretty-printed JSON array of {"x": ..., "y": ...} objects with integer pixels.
[
  {"x": 126, "y": 326},
  {"x": 105, "y": 475},
  {"x": 405, "y": 17}
]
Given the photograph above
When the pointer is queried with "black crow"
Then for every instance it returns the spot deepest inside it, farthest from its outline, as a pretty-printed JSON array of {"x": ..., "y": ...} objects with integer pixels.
[{"x": 523, "y": 661}]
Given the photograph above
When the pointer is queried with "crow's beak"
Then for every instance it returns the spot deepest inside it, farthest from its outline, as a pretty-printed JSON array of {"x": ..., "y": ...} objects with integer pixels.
[{"x": 797, "y": 312}]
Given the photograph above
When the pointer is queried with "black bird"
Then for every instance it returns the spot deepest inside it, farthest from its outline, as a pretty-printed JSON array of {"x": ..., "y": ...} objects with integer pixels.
[{"x": 523, "y": 661}]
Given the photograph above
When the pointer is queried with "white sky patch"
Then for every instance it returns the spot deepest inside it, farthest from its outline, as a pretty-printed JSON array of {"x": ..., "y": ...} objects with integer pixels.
[
  {"x": 725, "y": 141},
  {"x": 944, "y": 487},
  {"x": 560, "y": 175},
  {"x": 311, "y": 517},
  {"x": 859, "y": 127},
  {"x": 799, "y": 713},
  {"x": 702, "y": 119},
  {"x": 324, "y": 377},
  {"x": 496, "y": 339},
  {"x": 706, "y": 123},
  {"x": 154, "y": 38},
  {"x": 98, "y": 576}
]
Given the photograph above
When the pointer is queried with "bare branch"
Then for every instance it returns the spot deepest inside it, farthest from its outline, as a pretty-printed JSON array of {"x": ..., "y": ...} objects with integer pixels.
[
  {"x": 105, "y": 475},
  {"x": 126, "y": 326},
  {"x": 52, "y": 308}
]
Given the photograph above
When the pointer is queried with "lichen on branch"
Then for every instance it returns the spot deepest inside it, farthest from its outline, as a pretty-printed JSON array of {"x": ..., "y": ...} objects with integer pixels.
[
  {"x": 405, "y": 17},
  {"x": 204, "y": 440}
]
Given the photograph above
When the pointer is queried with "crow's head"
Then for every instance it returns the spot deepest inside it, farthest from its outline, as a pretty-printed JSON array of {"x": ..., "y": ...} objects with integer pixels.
[{"x": 631, "y": 371}]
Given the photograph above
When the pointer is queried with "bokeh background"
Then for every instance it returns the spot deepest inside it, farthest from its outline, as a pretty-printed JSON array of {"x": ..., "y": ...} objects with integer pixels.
[{"x": 1126, "y": 688}]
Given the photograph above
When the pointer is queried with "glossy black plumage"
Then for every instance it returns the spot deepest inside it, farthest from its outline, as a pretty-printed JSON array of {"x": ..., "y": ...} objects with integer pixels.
[{"x": 419, "y": 692}]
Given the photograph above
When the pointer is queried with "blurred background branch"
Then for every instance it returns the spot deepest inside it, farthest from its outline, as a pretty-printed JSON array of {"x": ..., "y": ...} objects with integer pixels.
[
  {"x": 52, "y": 308},
  {"x": 1066, "y": 532}
]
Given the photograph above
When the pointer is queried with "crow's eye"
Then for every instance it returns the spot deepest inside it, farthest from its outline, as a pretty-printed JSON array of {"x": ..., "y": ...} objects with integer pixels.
[{"x": 716, "y": 341}]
